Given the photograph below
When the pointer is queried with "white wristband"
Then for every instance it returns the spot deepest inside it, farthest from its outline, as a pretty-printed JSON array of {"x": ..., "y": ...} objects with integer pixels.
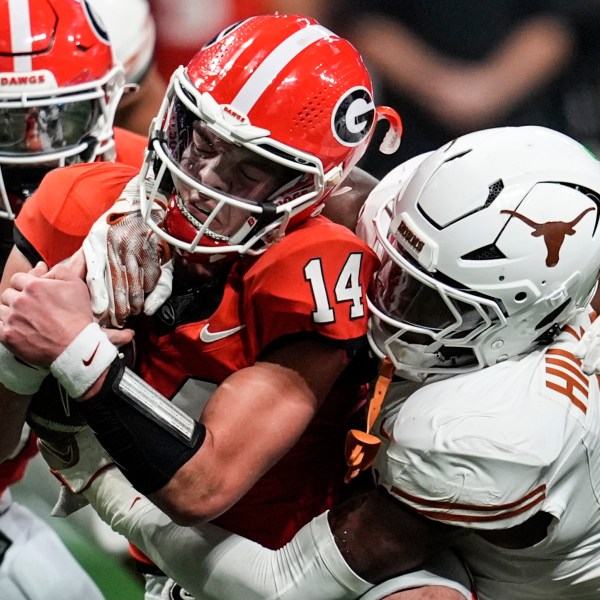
[
  {"x": 84, "y": 360},
  {"x": 18, "y": 376}
]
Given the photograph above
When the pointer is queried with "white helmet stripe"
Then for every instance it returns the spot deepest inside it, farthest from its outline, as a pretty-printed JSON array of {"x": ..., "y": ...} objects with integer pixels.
[
  {"x": 274, "y": 64},
  {"x": 20, "y": 33}
]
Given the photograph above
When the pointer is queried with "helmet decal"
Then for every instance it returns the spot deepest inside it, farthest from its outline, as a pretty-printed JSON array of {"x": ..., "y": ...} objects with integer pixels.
[
  {"x": 278, "y": 59},
  {"x": 95, "y": 21},
  {"x": 353, "y": 116},
  {"x": 553, "y": 232}
]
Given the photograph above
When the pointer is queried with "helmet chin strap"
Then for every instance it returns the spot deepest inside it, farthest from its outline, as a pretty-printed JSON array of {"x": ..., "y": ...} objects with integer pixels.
[
  {"x": 410, "y": 358},
  {"x": 415, "y": 355},
  {"x": 253, "y": 224},
  {"x": 269, "y": 215}
]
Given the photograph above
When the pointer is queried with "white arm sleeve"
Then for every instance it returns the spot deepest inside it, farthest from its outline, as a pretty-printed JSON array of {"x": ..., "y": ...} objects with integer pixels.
[
  {"x": 443, "y": 570},
  {"x": 209, "y": 562}
]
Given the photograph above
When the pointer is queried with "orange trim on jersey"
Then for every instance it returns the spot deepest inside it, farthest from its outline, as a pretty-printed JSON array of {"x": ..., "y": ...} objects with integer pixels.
[
  {"x": 509, "y": 510},
  {"x": 440, "y": 516},
  {"x": 566, "y": 392},
  {"x": 575, "y": 334},
  {"x": 574, "y": 382},
  {"x": 566, "y": 354},
  {"x": 569, "y": 365},
  {"x": 541, "y": 489},
  {"x": 559, "y": 362},
  {"x": 361, "y": 446}
]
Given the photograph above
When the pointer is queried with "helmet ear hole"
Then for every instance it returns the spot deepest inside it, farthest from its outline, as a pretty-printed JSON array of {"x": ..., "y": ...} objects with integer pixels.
[{"x": 520, "y": 297}]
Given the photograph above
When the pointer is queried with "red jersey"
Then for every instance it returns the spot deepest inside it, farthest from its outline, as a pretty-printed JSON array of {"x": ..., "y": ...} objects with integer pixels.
[
  {"x": 13, "y": 469},
  {"x": 58, "y": 216},
  {"x": 312, "y": 282},
  {"x": 130, "y": 151},
  {"x": 129, "y": 147}
]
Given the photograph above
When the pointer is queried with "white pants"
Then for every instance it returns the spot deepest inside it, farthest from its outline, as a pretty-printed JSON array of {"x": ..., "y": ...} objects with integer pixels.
[{"x": 35, "y": 563}]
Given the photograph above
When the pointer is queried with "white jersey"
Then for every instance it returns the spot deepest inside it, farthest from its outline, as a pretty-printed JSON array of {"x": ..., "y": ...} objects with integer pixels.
[
  {"x": 34, "y": 563},
  {"x": 489, "y": 449}
]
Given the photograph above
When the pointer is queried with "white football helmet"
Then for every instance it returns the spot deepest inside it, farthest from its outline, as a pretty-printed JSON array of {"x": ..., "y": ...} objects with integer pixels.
[
  {"x": 132, "y": 32},
  {"x": 492, "y": 246}
]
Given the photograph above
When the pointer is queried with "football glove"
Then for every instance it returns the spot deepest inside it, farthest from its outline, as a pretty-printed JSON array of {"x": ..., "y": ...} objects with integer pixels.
[
  {"x": 129, "y": 268},
  {"x": 588, "y": 349},
  {"x": 76, "y": 460}
]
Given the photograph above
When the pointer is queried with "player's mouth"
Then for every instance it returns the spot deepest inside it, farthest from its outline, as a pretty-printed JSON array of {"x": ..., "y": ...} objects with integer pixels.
[{"x": 197, "y": 214}]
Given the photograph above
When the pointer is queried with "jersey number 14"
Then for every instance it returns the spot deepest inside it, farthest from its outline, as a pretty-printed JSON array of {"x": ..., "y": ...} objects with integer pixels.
[{"x": 347, "y": 289}]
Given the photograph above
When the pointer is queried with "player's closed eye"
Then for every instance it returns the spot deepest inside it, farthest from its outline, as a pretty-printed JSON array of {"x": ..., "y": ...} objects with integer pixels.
[
  {"x": 254, "y": 174},
  {"x": 201, "y": 144}
]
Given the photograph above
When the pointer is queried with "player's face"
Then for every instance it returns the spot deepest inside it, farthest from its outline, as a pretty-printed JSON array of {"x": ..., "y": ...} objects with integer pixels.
[
  {"x": 425, "y": 309},
  {"x": 229, "y": 169},
  {"x": 404, "y": 298}
]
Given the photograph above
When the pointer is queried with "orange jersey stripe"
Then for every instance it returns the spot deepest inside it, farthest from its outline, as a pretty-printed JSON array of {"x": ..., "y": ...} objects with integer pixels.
[
  {"x": 541, "y": 489},
  {"x": 502, "y": 511}
]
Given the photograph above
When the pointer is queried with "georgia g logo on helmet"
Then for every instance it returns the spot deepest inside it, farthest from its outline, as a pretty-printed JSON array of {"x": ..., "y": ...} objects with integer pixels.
[{"x": 353, "y": 116}]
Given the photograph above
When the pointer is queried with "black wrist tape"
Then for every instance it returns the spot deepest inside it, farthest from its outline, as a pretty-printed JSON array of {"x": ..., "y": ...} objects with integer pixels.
[{"x": 148, "y": 439}]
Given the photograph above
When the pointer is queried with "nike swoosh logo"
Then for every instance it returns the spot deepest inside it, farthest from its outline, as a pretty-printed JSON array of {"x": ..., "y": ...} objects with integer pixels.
[
  {"x": 66, "y": 454},
  {"x": 88, "y": 362},
  {"x": 136, "y": 499},
  {"x": 209, "y": 336}
]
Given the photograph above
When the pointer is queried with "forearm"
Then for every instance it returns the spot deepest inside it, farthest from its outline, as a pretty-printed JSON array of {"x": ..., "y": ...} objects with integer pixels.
[
  {"x": 245, "y": 439},
  {"x": 404, "y": 539},
  {"x": 18, "y": 382},
  {"x": 211, "y": 563},
  {"x": 530, "y": 57},
  {"x": 381, "y": 41},
  {"x": 466, "y": 95},
  {"x": 196, "y": 471}
]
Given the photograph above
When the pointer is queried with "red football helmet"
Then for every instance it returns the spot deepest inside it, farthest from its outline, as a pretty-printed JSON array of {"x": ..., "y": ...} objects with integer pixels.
[
  {"x": 263, "y": 123},
  {"x": 59, "y": 88}
]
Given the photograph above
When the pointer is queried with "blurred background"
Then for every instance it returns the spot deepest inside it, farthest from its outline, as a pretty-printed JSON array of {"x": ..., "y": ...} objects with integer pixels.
[{"x": 447, "y": 67}]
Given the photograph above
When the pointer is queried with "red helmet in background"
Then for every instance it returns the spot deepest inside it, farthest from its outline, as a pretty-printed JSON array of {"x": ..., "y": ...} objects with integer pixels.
[
  {"x": 273, "y": 90},
  {"x": 59, "y": 88}
]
